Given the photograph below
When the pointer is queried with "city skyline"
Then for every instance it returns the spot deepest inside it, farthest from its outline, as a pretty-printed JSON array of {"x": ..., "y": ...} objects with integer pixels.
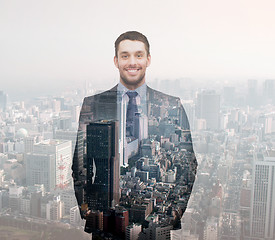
[{"x": 222, "y": 202}]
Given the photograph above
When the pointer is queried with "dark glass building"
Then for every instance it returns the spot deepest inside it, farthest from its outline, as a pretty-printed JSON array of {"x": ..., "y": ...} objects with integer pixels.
[{"x": 102, "y": 165}]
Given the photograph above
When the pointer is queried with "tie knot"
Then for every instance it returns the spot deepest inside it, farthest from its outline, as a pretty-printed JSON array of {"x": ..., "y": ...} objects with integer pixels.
[{"x": 132, "y": 95}]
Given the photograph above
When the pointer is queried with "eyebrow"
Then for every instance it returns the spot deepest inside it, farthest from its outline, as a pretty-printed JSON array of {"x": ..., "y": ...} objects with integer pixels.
[{"x": 125, "y": 52}]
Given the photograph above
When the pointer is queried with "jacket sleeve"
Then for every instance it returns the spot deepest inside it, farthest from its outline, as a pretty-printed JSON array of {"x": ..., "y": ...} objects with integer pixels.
[
  {"x": 187, "y": 167},
  {"x": 78, "y": 171}
]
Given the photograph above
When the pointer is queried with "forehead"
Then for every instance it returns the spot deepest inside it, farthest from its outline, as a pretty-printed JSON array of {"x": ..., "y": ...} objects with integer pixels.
[{"x": 131, "y": 46}]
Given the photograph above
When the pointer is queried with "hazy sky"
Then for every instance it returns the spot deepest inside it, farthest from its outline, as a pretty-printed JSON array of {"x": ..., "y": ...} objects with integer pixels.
[{"x": 61, "y": 42}]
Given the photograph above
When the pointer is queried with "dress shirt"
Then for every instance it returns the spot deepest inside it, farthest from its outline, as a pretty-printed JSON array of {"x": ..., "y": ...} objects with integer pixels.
[
  {"x": 140, "y": 99},
  {"x": 122, "y": 100}
]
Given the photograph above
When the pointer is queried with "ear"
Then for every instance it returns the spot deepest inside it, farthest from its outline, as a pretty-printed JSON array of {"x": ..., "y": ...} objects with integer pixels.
[
  {"x": 148, "y": 60},
  {"x": 116, "y": 61}
]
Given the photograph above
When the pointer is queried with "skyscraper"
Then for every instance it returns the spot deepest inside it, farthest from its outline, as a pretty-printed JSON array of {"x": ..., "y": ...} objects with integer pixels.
[
  {"x": 102, "y": 165},
  {"x": 268, "y": 91},
  {"x": 262, "y": 218},
  {"x": 40, "y": 169},
  {"x": 49, "y": 164},
  {"x": 208, "y": 108}
]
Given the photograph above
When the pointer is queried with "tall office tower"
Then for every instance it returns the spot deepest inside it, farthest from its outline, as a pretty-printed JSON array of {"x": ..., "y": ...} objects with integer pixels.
[
  {"x": 40, "y": 169},
  {"x": 3, "y": 101},
  {"x": 262, "y": 216},
  {"x": 61, "y": 150},
  {"x": 252, "y": 93},
  {"x": 208, "y": 108},
  {"x": 268, "y": 91},
  {"x": 102, "y": 165}
]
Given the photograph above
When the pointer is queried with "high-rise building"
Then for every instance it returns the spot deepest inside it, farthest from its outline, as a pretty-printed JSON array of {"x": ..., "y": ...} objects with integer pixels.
[
  {"x": 102, "y": 165},
  {"x": 262, "y": 217},
  {"x": 208, "y": 108},
  {"x": 40, "y": 169},
  {"x": 268, "y": 91},
  {"x": 77, "y": 150},
  {"x": 62, "y": 151},
  {"x": 49, "y": 164}
]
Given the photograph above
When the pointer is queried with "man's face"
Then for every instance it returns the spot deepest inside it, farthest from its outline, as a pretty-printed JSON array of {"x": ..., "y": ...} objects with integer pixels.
[{"x": 132, "y": 61}]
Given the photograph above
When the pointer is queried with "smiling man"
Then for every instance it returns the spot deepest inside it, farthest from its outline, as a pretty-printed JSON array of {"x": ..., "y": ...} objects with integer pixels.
[
  {"x": 132, "y": 59},
  {"x": 134, "y": 153}
]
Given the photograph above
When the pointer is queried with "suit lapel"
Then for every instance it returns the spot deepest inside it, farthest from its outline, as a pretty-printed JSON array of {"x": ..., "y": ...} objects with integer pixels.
[{"x": 149, "y": 93}]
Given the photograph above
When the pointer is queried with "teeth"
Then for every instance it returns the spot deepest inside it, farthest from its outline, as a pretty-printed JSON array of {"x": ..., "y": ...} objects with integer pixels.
[{"x": 132, "y": 70}]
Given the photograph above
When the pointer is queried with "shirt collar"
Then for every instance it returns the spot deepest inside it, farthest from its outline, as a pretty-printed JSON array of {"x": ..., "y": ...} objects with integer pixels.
[{"x": 140, "y": 90}]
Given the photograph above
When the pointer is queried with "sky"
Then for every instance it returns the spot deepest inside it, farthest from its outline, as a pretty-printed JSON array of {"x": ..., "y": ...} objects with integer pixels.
[{"x": 58, "y": 44}]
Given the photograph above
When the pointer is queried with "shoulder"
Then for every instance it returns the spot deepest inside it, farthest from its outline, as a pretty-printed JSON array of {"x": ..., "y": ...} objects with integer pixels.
[
  {"x": 106, "y": 94},
  {"x": 157, "y": 95},
  {"x": 90, "y": 103}
]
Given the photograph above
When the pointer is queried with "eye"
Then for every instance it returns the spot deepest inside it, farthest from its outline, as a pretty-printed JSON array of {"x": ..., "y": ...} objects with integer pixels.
[{"x": 124, "y": 56}]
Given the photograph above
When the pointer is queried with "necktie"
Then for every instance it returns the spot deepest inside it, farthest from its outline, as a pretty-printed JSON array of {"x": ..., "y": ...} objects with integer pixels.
[{"x": 132, "y": 110}]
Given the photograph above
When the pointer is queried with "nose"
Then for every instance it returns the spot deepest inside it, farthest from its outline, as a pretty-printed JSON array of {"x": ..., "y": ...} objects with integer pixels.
[{"x": 132, "y": 60}]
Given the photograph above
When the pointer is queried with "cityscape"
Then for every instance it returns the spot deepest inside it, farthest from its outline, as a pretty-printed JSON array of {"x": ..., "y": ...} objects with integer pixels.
[{"x": 233, "y": 197}]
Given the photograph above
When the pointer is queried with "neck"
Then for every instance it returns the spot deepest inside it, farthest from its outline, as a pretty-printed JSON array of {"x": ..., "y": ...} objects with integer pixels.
[{"x": 132, "y": 87}]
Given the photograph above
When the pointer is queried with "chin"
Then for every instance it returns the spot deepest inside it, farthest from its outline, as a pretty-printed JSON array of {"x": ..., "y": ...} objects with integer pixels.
[{"x": 132, "y": 82}]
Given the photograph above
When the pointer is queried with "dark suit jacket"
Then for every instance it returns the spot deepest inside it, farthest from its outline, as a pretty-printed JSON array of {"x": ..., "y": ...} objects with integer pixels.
[{"x": 164, "y": 112}]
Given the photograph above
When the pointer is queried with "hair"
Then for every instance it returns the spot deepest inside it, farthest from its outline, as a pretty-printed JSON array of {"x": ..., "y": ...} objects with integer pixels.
[{"x": 133, "y": 36}]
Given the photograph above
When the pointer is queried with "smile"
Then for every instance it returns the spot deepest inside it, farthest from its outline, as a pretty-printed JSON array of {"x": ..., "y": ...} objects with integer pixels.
[{"x": 132, "y": 70}]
